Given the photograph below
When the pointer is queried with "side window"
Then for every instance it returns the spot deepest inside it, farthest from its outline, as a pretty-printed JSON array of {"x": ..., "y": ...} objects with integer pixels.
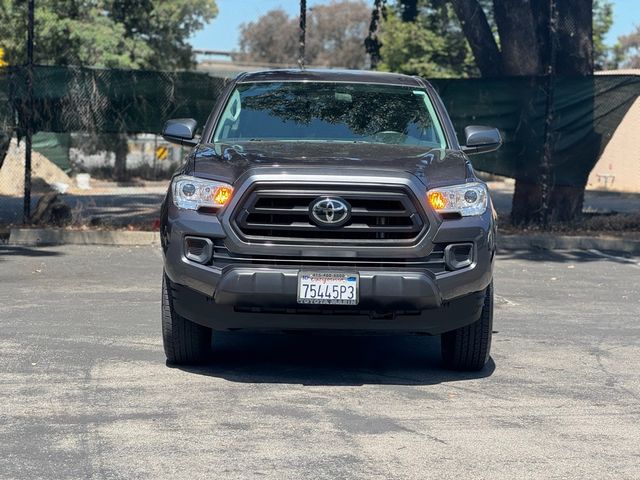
[
  {"x": 433, "y": 131},
  {"x": 229, "y": 120}
]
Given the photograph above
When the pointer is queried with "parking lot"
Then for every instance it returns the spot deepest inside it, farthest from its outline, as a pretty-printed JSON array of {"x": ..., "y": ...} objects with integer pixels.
[{"x": 85, "y": 392}]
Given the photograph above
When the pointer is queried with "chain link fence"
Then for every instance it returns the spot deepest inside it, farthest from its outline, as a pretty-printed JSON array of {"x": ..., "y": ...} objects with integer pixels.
[{"x": 96, "y": 138}]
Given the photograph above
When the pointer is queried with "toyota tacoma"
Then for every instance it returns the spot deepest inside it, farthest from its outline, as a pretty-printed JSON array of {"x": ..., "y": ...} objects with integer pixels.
[{"x": 328, "y": 200}]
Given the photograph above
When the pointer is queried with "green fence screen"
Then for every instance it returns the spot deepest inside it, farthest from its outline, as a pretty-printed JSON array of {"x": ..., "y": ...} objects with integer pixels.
[{"x": 584, "y": 111}]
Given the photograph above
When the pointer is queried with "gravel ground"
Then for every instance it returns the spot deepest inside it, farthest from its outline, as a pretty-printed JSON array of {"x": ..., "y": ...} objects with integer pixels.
[{"x": 85, "y": 392}]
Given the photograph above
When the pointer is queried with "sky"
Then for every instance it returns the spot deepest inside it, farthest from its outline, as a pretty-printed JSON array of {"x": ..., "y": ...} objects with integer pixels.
[
  {"x": 222, "y": 32},
  {"x": 626, "y": 16}
]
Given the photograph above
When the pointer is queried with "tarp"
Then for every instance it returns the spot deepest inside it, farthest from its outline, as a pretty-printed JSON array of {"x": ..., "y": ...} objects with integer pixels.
[
  {"x": 54, "y": 146},
  {"x": 72, "y": 99},
  {"x": 585, "y": 112}
]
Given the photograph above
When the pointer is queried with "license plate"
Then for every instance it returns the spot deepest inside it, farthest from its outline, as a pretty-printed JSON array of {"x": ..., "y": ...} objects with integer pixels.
[{"x": 328, "y": 288}]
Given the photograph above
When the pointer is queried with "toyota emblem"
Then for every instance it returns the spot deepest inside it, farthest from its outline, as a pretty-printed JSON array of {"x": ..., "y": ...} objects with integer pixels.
[{"x": 329, "y": 212}]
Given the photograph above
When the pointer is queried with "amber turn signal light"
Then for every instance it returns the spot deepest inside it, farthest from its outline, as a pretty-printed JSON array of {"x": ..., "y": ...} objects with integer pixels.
[
  {"x": 437, "y": 200},
  {"x": 222, "y": 195}
]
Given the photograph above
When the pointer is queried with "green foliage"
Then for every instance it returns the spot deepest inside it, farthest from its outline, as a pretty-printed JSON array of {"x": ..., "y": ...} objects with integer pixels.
[
  {"x": 602, "y": 21},
  {"x": 434, "y": 45},
  {"x": 627, "y": 51},
  {"x": 105, "y": 33},
  {"x": 431, "y": 46},
  {"x": 130, "y": 34}
]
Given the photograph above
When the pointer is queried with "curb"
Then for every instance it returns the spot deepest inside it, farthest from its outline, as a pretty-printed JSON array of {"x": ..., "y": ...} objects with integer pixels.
[
  {"x": 566, "y": 242},
  {"x": 47, "y": 236}
]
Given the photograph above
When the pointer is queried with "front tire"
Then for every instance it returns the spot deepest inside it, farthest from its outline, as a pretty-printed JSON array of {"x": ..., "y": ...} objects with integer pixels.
[
  {"x": 185, "y": 342},
  {"x": 468, "y": 348}
]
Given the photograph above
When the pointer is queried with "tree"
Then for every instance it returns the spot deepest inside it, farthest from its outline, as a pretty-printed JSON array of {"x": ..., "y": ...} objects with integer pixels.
[
  {"x": 525, "y": 48},
  {"x": 335, "y": 33},
  {"x": 627, "y": 50},
  {"x": 149, "y": 34},
  {"x": 602, "y": 21},
  {"x": 131, "y": 34},
  {"x": 505, "y": 38},
  {"x": 426, "y": 41},
  {"x": 273, "y": 38}
]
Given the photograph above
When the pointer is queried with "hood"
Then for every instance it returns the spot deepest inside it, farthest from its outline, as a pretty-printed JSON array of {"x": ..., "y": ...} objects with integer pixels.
[{"x": 226, "y": 162}]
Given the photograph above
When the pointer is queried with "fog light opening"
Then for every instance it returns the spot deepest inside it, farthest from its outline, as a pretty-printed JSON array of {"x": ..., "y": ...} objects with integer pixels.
[
  {"x": 198, "y": 249},
  {"x": 458, "y": 255}
]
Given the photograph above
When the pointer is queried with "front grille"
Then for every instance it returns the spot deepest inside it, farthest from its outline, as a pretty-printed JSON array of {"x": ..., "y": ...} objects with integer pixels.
[{"x": 280, "y": 214}]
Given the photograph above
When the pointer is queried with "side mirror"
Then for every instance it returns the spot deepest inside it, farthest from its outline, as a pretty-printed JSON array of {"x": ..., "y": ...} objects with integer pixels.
[
  {"x": 481, "y": 139},
  {"x": 180, "y": 131}
]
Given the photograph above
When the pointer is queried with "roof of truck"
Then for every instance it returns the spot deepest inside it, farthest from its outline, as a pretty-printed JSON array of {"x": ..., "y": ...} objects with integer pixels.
[{"x": 330, "y": 75}]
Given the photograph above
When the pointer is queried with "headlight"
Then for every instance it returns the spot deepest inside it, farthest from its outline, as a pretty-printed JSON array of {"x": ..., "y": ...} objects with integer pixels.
[
  {"x": 468, "y": 199},
  {"x": 192, "y": 193}
]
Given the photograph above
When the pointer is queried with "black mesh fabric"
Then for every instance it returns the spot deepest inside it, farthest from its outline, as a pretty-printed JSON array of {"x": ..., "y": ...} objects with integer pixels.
[{"x": 586, "y": 110}]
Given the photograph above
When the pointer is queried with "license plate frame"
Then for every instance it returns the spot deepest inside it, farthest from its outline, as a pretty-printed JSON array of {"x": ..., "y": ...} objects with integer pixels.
[{"x": 326, "y": 288}]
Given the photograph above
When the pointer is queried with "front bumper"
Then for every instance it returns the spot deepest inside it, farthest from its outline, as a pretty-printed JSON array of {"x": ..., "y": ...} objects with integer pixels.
[
  {"x": 264, "y": 297},
  {"x": 206, "y": 311}
]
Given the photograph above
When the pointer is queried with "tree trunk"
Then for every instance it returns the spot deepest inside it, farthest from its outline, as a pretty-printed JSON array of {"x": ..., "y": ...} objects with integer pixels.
[
  {"x": 526, "y": 46},
  {"x": 480, "y": 37},
  {"x": 572, "y": 40},
  {"x": 575, "y": 38},
  {"x": 566, "y": 202},
  {"x": 120, "y": 150},
  {"x": 518, "y": 37},
  {"x": 575, "y": 58},
  {"x": 521, "y": 56},
  {"x": 526, "y": 205}
]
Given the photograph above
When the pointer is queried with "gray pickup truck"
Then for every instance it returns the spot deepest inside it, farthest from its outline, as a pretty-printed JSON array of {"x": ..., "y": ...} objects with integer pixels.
[{"x": 328, "y": 200}]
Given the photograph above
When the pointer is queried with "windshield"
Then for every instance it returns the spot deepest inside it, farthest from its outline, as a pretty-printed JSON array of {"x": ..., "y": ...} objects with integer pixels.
[{"x": 329, "y": 112}]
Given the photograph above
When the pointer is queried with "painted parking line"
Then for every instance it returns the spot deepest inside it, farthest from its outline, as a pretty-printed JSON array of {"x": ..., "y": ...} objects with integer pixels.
[{"x": 630, "y": 261}]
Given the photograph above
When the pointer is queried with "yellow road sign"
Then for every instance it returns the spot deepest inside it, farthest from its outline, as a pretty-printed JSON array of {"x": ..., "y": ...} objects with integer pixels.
[{"x": 162, "y": 153}]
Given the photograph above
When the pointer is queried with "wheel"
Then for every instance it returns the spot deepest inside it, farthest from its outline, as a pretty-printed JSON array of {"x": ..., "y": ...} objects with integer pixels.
[
  {"x": 468, "y": 348},
  {"x": 185, "y": 342}
]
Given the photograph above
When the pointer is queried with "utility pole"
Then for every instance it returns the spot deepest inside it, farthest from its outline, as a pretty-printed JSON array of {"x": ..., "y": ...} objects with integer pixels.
[
  {"x": 303, "y": 31},
  {"x": 28, "y": 118}
]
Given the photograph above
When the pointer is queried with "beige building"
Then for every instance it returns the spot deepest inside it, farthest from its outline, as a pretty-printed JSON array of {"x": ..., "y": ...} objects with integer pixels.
[{"x": 618, "y": 169}]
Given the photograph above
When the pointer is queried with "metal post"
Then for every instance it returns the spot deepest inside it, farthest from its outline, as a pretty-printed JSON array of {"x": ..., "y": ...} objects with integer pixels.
[
  {"x": 372, "y": 42},
  {"x": 303, "y": 31},
  {"x": 29, "y": 114},
  {"x": 546, "y": 182},
  {"x": 155, "y": 156}
]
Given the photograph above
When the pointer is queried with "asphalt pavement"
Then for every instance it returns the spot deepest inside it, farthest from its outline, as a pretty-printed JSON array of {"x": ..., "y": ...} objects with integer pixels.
[{"x": 85, "y": 391}]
